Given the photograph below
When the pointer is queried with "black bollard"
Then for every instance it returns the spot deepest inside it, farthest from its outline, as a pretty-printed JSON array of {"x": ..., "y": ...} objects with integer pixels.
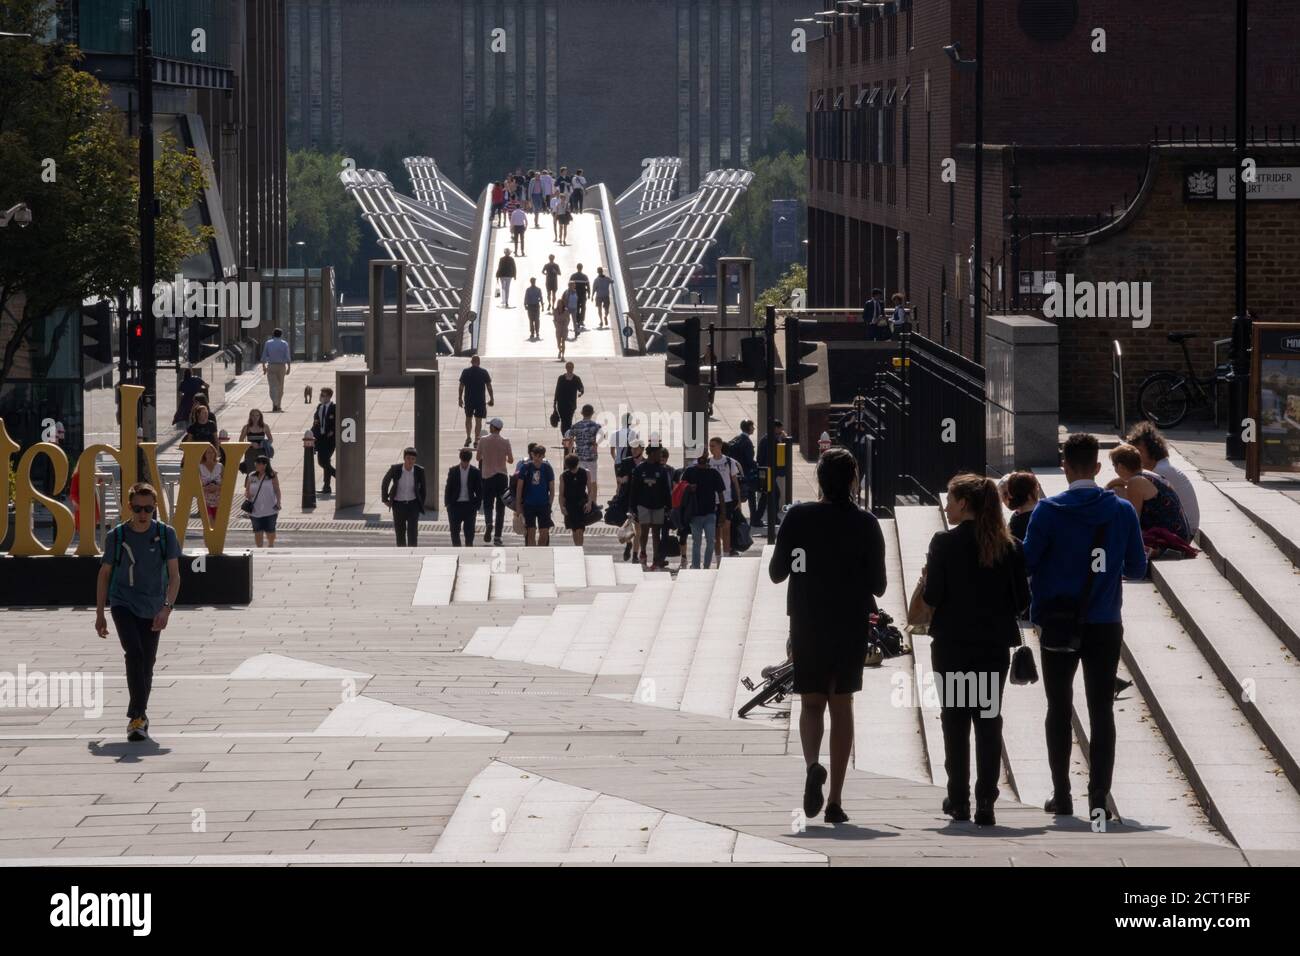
[{"x": 308, "y": 471}]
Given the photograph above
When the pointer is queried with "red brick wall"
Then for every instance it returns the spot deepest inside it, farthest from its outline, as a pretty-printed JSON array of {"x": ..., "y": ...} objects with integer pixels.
[{"x": 1186, "y": 250}]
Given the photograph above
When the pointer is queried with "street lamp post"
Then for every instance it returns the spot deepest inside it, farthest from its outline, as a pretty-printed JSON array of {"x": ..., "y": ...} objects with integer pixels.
[
  {"x": 1239, "y": 389},
  {"x": 147, "y": 212}
]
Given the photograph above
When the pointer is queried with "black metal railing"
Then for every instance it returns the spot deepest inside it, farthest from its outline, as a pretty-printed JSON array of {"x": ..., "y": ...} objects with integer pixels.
[{"x": 927, "y": 417}]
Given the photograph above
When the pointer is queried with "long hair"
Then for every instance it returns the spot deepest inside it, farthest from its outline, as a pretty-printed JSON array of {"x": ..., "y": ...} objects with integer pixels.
[
  {"x": 980, "y": 496},
  {"x": 837, "y": 473}
]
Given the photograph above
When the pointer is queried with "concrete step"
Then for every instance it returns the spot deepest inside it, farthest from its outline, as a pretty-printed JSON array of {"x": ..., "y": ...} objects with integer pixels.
[
  {"x": 555, "y": 638},
  {"x": 628, "y": 573},
  {"x": 1250, "y": 559},
  {"x": 1244, "y": 791},
  {"x": 473, "y": 583},
  {"x": 672, "y": 645},
  {"x": 600, "y": 570},
  {"x": 715, "y": 667},
  {"x": 485, "y": 641},
  {"x": 523, "y": 634},
  {"x": 506, "y": 587},
  {"x": 1274, "y": 513},
  {"x": 437, "y": 580},
  {"x": 1259, "y": 673},
  {"x": 540, "y": 589},
  {"x": 887, "y": 715},
  {"x": 766, "y": 633},
  {"x": 570, "y": 567},
  {"x": 628, "y": 646},
  {"x": 591, "y": 642}
]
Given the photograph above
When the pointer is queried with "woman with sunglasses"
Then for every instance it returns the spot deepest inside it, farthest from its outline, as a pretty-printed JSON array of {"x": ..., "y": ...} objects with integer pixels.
[{"x": 262, "y": 490}]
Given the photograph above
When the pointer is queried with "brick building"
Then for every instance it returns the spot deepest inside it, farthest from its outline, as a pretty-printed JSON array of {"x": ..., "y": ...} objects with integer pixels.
[
  {"x": 596, "y": 83},
  {"x": 1071, "y": 126}
]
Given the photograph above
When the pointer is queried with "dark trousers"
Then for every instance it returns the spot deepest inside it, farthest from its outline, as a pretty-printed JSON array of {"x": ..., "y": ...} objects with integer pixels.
[
  {"x": 462, "y": 515},
  {"x": 962, "y": 674},
  {"x": 1099, "y": 655},
  {"x": 140, "y": 642},
  {"x": 534, "y": 321},
  {"x": 582, "y": 308},
  {"x": 566, "y": 419},
  {"x": 762, "y": 502},
  {"x": 406, "y": 519},
  {"x": 494, "y": 490},
  {"x": 324, "y": 452}
]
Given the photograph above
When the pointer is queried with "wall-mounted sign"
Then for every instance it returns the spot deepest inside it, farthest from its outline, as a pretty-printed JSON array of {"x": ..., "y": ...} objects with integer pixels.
[
  {"x": 1033, "y": 283},
  {"x": 1274, "y": 399},
  {"x": 1220, "y": 182}
]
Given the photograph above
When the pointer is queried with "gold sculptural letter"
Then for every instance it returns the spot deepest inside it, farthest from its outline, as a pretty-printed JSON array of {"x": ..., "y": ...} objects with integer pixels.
[
  {"x": 25, "y": 496},
  {"x": 190, "y": 491}
]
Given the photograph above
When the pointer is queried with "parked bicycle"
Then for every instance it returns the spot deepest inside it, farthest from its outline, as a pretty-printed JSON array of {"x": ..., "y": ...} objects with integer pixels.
[
  {"x": 1166, "y": 397},
  {"x": 778, "y": 679}
]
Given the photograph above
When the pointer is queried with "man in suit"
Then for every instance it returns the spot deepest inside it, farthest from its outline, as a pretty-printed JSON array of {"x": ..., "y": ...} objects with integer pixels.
[
  {"x": 403, "y": 494},
  {"x": 462, "y": 495},
  {"x": 323, "y": 424},
  {"x": 874, "y": 322}
]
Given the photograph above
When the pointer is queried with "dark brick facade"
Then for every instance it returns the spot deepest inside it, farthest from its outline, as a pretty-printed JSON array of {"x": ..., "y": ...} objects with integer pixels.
[{"x": 1080, "y": 123}]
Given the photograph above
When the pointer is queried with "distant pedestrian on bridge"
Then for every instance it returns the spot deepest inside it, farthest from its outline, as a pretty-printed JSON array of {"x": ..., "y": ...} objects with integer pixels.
[
  {"x": 552, "y": 273},
  {"x": 505, "y": 274},
  {"x": 498, "y": 204},
  {"x": 564, "y": 182},
  {"x": 580, "y": 282},
  {"x": 548, "y": 185},
  {"x": 561, "y": 316},
  {"x": 533, "y": 306},
  {"x": 518, "y": 228},
  {"x": 579, "y": 191},
  {"x": 562, "y": 218},
  {"x": 601, "y": 286},
  {"x": 536, "y": 196}
]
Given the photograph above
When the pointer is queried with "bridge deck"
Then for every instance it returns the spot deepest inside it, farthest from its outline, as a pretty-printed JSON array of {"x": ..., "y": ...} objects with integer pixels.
[{"x": 505, "y": 331}]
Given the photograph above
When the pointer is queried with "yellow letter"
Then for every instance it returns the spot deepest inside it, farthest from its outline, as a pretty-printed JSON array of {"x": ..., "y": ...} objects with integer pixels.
[
  {"x": 25, "y": 497},
  {"x": 190, "y": 489},
  {"x": 125, "y": 455}
]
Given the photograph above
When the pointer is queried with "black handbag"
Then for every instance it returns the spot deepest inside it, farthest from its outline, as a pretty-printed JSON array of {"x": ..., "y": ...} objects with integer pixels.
[
  {"x": 742, "y": 536},
  {"x": 1023, "y": 668},
  {"x": 591, "y": 517},
  {"x": 616, "y": 512},
  {"x": 1060, "y": 624}
]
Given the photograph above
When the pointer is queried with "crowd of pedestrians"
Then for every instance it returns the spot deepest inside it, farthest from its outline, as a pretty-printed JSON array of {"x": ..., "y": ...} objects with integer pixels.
[{"x": 539, "y": 192}]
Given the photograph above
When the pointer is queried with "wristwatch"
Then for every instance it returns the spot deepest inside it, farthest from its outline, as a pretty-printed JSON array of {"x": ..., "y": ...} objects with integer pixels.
[{"x": 167, "y": 605}]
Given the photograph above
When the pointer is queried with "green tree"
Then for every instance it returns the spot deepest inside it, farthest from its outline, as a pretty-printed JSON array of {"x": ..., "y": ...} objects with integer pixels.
[
  {"x": 749, "y": 227},
  {"x": 321, "y": 213},
  {"x": 65, "y": 153},
  {"x": 785, "y": 135},
  {"x": 796, "y": 277}
]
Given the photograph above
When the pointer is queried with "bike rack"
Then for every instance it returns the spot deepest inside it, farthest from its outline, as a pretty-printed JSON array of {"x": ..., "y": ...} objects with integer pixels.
[{"x": 1117, "y": 388}]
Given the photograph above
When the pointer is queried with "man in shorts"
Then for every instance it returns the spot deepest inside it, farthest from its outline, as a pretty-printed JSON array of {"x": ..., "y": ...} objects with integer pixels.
[
  {"x": 600, "y": 287},
  {"x": 649, "y": 498},
  {"x": 586, "y": 436},
  {"x": 552, "y": 273},
  {"x": 475, "y": 395},
  {"x": 534, "y": 496}
]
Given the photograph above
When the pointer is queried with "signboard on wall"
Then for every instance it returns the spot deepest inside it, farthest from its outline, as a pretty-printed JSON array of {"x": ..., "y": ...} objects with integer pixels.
[
  {"x": 1220, "y": 182},
  {"x": 1033, "y": 283},
  {"x": 1274, "y": 399}
]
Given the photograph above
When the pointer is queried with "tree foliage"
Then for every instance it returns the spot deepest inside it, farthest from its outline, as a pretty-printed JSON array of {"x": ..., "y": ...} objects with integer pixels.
[
  {"x": 321, "y": 214},
  {"x": 65, "y": 153},
  {"x": 779, "y": 295},
  {"x": 785, "y": 135},
  {"x": 749, "y": 227},
  {"x": 496, "y": 147}
]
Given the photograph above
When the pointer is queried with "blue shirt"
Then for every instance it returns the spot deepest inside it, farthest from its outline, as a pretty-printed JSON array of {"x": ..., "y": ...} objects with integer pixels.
[
  {"x": 139, "y": 581},
  {"x": 276, "y": 351},
  {"x": 537, "y": 483}
]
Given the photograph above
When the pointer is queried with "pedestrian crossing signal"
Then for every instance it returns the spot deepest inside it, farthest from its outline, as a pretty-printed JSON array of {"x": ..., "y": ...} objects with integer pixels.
[
  {"x": 796, "y": 348},
  {"x": 687, "y": 348},
  {"x": 97, "y": 332},
  {"x": 135, "y": 340}
]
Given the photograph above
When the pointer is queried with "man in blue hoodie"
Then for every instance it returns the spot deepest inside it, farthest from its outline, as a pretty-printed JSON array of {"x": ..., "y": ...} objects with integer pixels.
[{"x": 1060, "y": 553}]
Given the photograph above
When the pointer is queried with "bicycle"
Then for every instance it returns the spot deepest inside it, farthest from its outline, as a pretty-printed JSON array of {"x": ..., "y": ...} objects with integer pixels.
[
  {"x": 1165, "y": 397},
  {"x": 778, "y": 679}
]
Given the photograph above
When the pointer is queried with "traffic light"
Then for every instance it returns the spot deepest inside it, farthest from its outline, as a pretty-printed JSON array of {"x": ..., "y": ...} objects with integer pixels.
[
  {"x": 796, "y": 348},
  {"x": 97, "y": 332},
  {"x": 753, "y": 356},
  {"x": 135, "y": 340},
  {"x": 205, "y": 338},
  {"x": 687, "y": 349}
]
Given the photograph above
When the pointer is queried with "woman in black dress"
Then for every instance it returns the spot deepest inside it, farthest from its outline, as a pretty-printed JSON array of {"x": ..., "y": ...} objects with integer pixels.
[
  {"x": 833, "y": 554},
  {"x": 974, "y": 579},
  {"x": 575, "y": 500},
  {"x": 257, "y": 433}
]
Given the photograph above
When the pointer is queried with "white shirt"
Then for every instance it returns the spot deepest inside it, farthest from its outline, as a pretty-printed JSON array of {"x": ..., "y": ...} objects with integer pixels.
[
  {"x": 464, "y": 483},
  {"x": 519, "y": 217},
  {"x": 405, "y": 485},
  {"x": 620, "y": 442},
  {"x": 726, "y": 468},
  {"x": 1182, "y": 486},
  {"x": 580, "y": 182}
]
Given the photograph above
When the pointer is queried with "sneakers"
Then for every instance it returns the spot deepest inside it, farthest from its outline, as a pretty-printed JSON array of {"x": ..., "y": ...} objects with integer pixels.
[
  {"x": 835, "y": 814},
  {"x": 1059, "y": 806},
  {"x": 138, "y": 730},
  {"x": 497, "y": 541},
  {"x": 812, "y": 790}
]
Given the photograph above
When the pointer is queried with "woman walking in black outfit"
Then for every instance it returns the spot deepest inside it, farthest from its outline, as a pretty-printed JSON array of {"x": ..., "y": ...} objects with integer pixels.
[
  {"x": 974, "y": 579},
  {"x": 834, "y": 556}
]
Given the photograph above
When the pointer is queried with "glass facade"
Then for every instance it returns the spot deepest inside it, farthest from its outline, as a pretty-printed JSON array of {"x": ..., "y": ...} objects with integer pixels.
[{"x": 108, "y": 26}]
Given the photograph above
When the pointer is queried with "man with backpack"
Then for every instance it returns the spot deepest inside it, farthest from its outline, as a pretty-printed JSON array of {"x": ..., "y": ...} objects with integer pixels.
[
  {"x": 649, "y": 498},
  {"x": 1078, "y": 546},
  {"x": 535, "y": 495},
  {"x": 139, "y": 578}
]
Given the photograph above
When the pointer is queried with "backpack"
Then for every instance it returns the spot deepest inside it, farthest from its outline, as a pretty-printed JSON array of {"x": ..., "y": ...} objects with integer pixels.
[
  {"x": 155, "y": 527},
  {"x": 679, "y": 493}
]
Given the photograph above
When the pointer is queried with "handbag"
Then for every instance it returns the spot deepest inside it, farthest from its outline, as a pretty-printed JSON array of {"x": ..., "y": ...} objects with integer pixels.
[
  {"x": 742, "y": 536},
  {"x": 555, "y": 419},
  {"x": 919, "y": 614},
  {"x": 616, "y": 511},
  {"x": 1060, "y": 624},
  {"x": 247, "y": 505},
  {"x": 1023, "y": 668},
  {"x": 591, "y": 517},
  {"x": 268, "y": 448}
]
